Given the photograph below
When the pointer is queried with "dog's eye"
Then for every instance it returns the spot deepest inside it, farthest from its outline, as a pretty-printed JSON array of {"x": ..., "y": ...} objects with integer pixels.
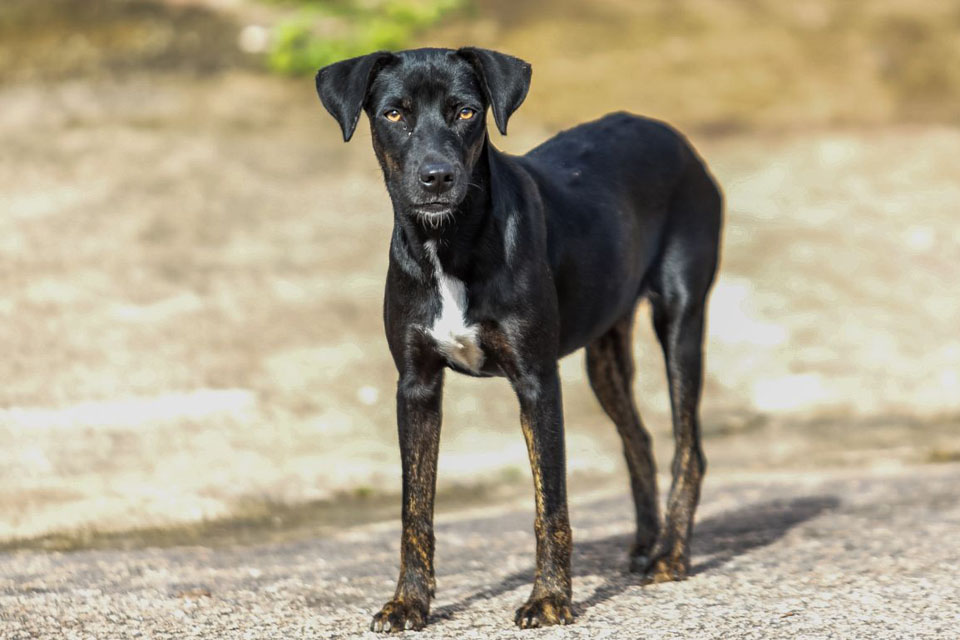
[
  {"x": 393, "y": 115},
  {"x": 466, "y": 113}
]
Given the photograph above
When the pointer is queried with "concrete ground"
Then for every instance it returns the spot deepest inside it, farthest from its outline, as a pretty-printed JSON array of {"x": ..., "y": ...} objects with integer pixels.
[{"x": 845, "y": 554}]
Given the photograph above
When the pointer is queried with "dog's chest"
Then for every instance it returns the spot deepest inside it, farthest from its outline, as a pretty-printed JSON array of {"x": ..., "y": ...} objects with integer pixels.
[{"x": 457, "y": 340}]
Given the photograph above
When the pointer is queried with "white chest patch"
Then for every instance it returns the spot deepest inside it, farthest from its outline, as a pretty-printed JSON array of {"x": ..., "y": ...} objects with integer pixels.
[{"x": 457, "y": 340}]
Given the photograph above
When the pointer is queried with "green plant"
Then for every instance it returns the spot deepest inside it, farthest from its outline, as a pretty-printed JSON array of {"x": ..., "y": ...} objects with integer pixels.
[{"x": 324, "y": 32}]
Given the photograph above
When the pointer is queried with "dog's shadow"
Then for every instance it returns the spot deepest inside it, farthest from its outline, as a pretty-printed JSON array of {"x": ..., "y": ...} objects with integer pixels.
[{"x": 720, "y": 538}]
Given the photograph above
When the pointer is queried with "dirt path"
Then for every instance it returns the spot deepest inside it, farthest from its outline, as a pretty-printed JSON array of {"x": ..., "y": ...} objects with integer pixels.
[{"x": 847, "y": 555}]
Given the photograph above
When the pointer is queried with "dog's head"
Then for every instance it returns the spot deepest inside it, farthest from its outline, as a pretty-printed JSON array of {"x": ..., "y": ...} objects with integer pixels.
[{"x": 427, "y": 111}]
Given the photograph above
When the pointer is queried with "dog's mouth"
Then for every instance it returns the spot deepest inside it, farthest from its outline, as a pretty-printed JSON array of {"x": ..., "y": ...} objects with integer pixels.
[
  {"x": 433, "y": 208},
  {"x": 433, "y": 214}
]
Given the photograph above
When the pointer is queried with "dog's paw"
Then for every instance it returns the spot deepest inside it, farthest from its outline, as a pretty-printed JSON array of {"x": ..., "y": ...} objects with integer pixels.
[
  {"x": 639, "y": 563},
  {"x": 663, "y": 568},
  {"x": 543, "y": 612},
  {"x": 397, "y": 616},
  {"x": 640, "y": 554}
]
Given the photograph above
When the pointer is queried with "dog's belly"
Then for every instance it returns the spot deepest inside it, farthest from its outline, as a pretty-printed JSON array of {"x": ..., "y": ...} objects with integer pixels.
[{"x": 599, "y": 271}]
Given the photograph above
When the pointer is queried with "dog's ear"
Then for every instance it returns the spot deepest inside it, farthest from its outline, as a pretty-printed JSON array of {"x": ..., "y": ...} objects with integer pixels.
[
  {"x": 342, "y": 87},
  {"x": 505, "y": 80}
]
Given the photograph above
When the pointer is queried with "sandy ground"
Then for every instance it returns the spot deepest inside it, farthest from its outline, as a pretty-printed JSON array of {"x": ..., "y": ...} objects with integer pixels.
[
  {"x": 192, "y": 272},
  {"x": 850, "y": 554}
]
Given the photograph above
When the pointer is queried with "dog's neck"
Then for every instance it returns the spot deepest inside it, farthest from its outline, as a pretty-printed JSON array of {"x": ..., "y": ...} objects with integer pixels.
[{"x": 457, "y": 240}]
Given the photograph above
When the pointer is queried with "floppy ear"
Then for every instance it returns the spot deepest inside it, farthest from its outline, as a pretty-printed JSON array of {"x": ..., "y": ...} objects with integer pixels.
[
  {"x": 505, "y": 80},
  {"x": 342, "y": 87}
]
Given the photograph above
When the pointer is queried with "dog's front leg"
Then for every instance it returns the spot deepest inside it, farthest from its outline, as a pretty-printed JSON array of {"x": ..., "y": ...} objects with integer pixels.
[
  {"x": 541, "y": 417},
  {"x": 419, "y": 397}
]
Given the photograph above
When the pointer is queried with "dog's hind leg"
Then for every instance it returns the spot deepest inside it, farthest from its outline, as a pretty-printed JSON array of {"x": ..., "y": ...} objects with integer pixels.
[
  {"x": 680, "y": 331},
  {"x": 610, "y": 370},
  {"x": 678, "y": 292}
]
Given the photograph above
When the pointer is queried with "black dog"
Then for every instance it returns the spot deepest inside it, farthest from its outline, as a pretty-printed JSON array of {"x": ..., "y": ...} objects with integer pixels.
[{"x": 500, "y": 265}]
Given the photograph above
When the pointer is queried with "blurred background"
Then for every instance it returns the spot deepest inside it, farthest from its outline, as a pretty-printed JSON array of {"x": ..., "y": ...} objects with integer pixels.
[{"x": 192, "y": 262}]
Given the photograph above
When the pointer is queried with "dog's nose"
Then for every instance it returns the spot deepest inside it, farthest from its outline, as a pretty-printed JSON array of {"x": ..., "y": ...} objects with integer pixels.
[{"x": 437, "y": 177}]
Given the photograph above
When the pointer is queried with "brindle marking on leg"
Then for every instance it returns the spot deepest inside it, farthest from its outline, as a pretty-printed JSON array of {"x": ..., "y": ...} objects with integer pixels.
[
  {"x": 418, "y": 415},
  {"x": 541, "y": 421}
]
